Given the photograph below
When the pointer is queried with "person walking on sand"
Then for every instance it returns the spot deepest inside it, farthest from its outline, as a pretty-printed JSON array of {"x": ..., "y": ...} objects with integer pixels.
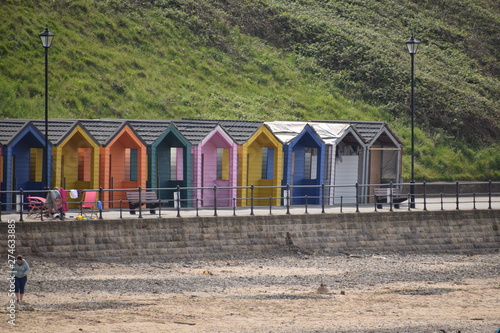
[{"x": 21, "y": 269}]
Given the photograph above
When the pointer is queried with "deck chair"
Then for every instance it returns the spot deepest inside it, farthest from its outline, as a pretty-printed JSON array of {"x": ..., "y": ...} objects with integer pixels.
[
  {"x": 89, "y": 203},
  {"x": 35, "y": 206},
  {"x": 53, "y": 204}
]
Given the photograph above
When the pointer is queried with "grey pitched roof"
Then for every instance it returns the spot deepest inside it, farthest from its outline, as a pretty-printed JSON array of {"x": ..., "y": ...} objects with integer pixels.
[
  {"x": 10, "y": 128},
  {"x": 239, "y": 130},
  {"x": 367, "y": 129},
  {"x": 195, "y": 130},
  {"x": 103, "y": 130},
  {"x": 149, "y": 130},
  {"x": 58, "y": 128}
]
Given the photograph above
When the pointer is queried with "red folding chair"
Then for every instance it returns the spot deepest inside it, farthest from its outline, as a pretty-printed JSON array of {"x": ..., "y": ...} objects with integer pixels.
[
  {"x": 35, "y": 206},
  {"x": 89, "y": 203}
]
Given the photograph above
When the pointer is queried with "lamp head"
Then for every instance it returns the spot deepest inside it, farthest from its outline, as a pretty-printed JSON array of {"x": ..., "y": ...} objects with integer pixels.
[
  {"x": 47, "y": 37},
  {"x": 412, "y": 45}
]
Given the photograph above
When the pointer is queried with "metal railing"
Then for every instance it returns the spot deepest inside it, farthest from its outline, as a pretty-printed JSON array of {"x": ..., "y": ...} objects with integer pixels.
[{"x": 213, "y": 202}]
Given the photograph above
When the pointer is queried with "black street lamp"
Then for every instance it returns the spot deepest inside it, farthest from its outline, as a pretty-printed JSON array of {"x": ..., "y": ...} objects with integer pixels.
[
  {"x": 412, "y": 45},
  {"x": 47, "y": 37}
]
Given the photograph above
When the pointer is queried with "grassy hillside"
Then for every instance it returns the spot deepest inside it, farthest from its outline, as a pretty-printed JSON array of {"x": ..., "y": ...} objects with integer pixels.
[{"x": 268, "y": 60}]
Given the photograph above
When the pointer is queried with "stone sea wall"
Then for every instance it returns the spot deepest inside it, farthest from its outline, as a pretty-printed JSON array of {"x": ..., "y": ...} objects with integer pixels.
[{"x": 432, "y": 231}]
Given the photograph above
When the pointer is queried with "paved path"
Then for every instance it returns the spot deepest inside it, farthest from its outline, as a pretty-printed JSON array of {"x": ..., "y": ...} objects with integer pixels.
[{"x": 448, "y": 203}]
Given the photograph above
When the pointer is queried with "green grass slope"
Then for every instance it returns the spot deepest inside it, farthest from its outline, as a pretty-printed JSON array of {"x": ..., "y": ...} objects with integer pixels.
[{"x": 268, "y": 60}]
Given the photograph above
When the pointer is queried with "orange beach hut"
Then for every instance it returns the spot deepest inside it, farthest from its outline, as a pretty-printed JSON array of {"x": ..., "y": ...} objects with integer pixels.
[{"x": 122, "y": 159}]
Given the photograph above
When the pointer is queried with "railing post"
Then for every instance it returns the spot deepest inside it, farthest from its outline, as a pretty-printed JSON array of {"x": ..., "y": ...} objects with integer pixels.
[
  {"x": 178, "y": 201},
  {"x": 197, "y": 207},
  {"x": 357, "y": 198},
  {"x": 159, "y": 207},
  {"x": 322, "y": 198},
  {"x": 270, "y": 205},
  {"x": 474, "y": 200},
  {"x": 234, "y": 206},
  {"x": 111, "y": 192},
  {"x": 215, "y": 200},
  {"x": 442, "y": 204},
  {"x": 81, "y": 208},
  {"x": 306, "y": 203},
  {"x": 425, "y": 195},
  {"x": 341, "y": 202},
  {"x": 251, "y": 199},
  {"x": 409, "y": 198},
  {"x": 391, "y": 198},
  {"x": 121, "y": 202},
  {"x": 140, "y": 202},
  {"x": 288, "y": 199},
  {"x": 456, "y": 193},
  {"x": 489, "y": 195},
  {"x": 100, "y": 206},
  {"x": 21, "y": 193}
]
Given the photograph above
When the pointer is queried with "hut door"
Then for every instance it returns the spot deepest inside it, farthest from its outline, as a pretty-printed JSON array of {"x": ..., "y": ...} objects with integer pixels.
[{"x": 346, "y": 173}]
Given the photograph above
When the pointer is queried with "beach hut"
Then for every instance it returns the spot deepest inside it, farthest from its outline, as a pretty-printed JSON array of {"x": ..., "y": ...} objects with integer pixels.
[
  {"x": 214, "y": 160},
  {"x": 260, "y": 163},
  {"x": 75, "y": 155},
  {"x": 382, "y": 156},
  {"x": 169, "y": 158},
  {"x": 260, "y": 158},
  {"x": 303, "y": 166},
  {"x": 21, "y": 159},
  {"x": 122, "y": 158},
  {"x": 343, "y": 161}
]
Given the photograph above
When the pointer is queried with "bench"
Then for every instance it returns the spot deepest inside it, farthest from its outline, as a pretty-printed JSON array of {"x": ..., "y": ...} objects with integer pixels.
[
  {"x": 383, "y": 195},
  {"x": 147, "y": 198}
]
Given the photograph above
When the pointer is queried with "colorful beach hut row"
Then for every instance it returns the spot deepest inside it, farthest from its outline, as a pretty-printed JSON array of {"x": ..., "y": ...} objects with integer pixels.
[{"x": 198, "y": 156}]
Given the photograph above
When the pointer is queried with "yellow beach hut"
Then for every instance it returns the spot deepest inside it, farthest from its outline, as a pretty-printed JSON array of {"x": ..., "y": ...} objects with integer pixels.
[{"x": 75, "y": 154}]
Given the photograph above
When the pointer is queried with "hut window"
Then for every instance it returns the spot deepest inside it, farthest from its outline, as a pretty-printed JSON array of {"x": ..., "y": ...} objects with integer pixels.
[
  {"x": 267, "y": 163},
  {"x": 389, "y": 165},
  {"x": 223, "y": 163},
  {"x": 176, "y": 163},
  {"x": 36, "y": 157},
  {"x": 84, "y": 157},
  {"x": 131, "y": 164},
  {"x": 311, "y": 163}
]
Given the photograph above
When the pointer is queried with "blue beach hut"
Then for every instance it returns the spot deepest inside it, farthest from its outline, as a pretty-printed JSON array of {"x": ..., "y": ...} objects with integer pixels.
[
  {"x": 21, "y": 160},
  {"x": 303, "y": 155}
]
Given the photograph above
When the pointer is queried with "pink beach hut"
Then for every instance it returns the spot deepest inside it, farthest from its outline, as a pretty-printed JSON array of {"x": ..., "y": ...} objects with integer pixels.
[{"x": 214, "y": 157}]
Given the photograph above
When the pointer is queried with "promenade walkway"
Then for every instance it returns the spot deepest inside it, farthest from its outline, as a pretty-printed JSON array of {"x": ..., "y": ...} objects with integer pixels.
[{"x": 431, "y": 204}]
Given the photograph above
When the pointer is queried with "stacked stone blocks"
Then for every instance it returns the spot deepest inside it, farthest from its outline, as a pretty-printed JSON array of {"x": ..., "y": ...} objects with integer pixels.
[{"x": 435, "y": 231}]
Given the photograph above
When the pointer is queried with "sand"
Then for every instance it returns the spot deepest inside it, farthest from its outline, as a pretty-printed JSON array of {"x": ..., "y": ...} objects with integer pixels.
[{"x": 272, "y": 292}]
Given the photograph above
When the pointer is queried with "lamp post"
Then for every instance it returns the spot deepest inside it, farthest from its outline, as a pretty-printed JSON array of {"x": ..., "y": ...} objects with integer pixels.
[
  {"x": 412, "y": 45},
  {"x": 46, "y": 37}
]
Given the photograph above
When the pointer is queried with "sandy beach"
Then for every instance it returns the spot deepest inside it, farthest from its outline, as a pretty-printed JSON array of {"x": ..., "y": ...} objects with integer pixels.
[{"x": 283, "y": 291}]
